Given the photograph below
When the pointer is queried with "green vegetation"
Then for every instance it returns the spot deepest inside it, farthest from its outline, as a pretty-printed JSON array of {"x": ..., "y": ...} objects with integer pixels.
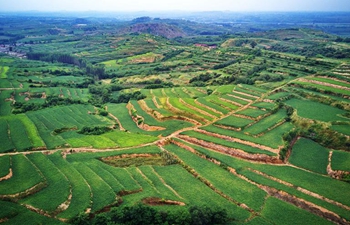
[
  {"x": 340, "y": 161},
  {"x": 317, "y": 111},
  {"x": 234, "y": 121},
  {"x": 309, "y": 155},
  {"x": 288, "y": 214},
  {"x": 254, "y": 113},
  {"x": 171, "y": 121}
]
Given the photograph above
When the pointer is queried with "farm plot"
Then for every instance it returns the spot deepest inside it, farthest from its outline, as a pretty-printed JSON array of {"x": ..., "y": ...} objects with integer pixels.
[
  {"x": 340, "y": 160},
  {"x": 344, "y": 129},
  {"x": 235, "y": 100},
  {"x": 323, "y": 87},
  {"x": 331, "y": 81},
  {"x": 102, "y": 193},
  {"x": 264, "y": 105},
  {"x": 5, "y": 102},
  {"x": 233, "y": 121},
  {"x": 272, "y": 138},
  {"x": 80, "y": 200},
  {"x": 5, "y": 165},
  {"x": 25, "y": 176},
  {"x": 248, "y": 92},
  {"x": 317, "y": 111},
  {"x": 45, "y": 128},
  {"x": 284, "y": 213},
  {"x": 23, "y": 133},
  {"x": 212, "y": 104},
  {"x": 278, "y": 95},
  {"x": 153, "y": 104},
  {"x": 97, "y": 141},
  {"x": 147, "y": 187},
  {"x": 217, "y": 100},
  {"x": 239, "y": 190},
  {"x": 195, "y": 92},
  {"x": 105, "y": 175},
  {"x": 266, "y": 123},
  {"x": 170, "y": 125},
  {"x": 254, "y": 113},
  {"x": 5, "y": 83},
  {"x": 3, "y": 71},
  {"x": 195, "y": 192},
  {"x": 16, "y": 214},
  {"x": 166, "y": 191},
  {"x": 57, "y": 189},
  {"x": 86, "y": 156},
  {"x": 7, "y": 144},
  {"x": 201, "y": 109},
  {"x": 244, "y": 95},
  {"x": 235, "y": 145},
  {"x": 309, "y": 181},
  {"x": 182, "y": 110},
  {"x": 121, "y": 112},
  {"x": 310, "y": 155},
  {"x": 262, "y": 179},
  {"x": 68, "y": 117}
]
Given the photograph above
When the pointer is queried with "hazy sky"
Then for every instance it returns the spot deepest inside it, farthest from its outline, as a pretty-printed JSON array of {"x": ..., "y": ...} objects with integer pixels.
[{"x": 188, "y": 5}]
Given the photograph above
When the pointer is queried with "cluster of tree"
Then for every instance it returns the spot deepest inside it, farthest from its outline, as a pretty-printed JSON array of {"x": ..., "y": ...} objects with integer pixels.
[
  {"x": 20, "y": 107},
  {"x": 101, "y": 94},
  {"x": 126, "y": 97},
  {"x": 313, "y": 50},
  {"x": 94, "y": 130},
  {"x": 156, "y": 83},
  {"x": 63, "y": 129},
  {"x": 142, "y": 214},
  {"x": 97, "y": 72},
  {"x": 225, "y": 64},
  {"x": 11, "y": 38},
  {"x": 241, "y": 42},
  {"x": 172, "y": 54},
  {"x": 200, "y": 81},
  {"x": 341, "y": 39}
]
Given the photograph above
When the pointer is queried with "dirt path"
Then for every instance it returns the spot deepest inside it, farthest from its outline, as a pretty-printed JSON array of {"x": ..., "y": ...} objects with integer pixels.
[
  {"x": 243, "y": 99},
  {"x": 238, "y": 153},
  {"x": 207, "y": 107},
  {"x": 324, "y": 84},
  {"x": 300, "y": 203},
  {"x": 197, "y": 109},
  {"x": 231, "y": 102},
  {"x": 8, "y": 176},
  {"x": 227, "y": 138},
  {"x": 117, "y": 120},
  {"x": 245, "y": 94}
]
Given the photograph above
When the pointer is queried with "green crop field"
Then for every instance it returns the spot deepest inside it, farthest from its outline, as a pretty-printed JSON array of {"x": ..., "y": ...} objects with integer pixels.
[
  {"x": 317, "y": 111},
  {"x": 309, "y": 155},
  {"x": 264, "y": 124},
  {"x": 121, "y": 118},
  {"x": 236, "y": 188},
  {"x": 252, "y": 112},
  {"x": 229, "y": 144},
  {"x": 57, "y": 185},
  {"x": 340, "y": 161},
  {"x": 3, "y": 71},
  {"x": 284, "y": 213},
  {"x": 234, "y": 121}
]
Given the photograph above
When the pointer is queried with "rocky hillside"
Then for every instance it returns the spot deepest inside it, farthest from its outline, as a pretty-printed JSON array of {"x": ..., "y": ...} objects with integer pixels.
[{"x": 159, "y": 29}]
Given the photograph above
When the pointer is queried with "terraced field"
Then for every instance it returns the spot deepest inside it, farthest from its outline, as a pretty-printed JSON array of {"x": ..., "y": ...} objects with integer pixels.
[{"x": 276, "y": 152}]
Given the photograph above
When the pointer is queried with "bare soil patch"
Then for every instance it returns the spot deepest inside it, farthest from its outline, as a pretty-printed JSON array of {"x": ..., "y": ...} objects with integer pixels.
[{"x": 153, "y": 201}]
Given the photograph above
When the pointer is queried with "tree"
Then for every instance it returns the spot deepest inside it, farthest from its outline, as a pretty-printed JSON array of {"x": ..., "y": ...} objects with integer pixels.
[{"x": 253, "y": 44}]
